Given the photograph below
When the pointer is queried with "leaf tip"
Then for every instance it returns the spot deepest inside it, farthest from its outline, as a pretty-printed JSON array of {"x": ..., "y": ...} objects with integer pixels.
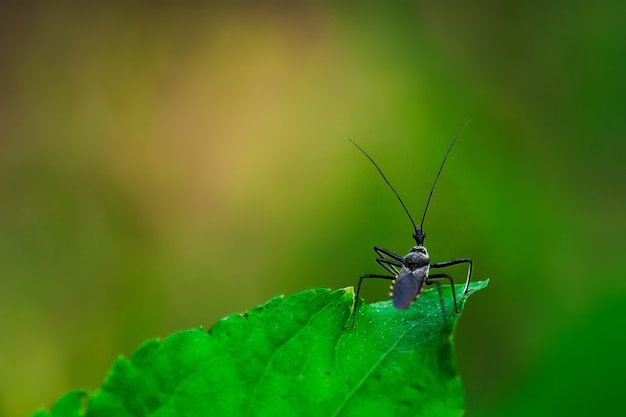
[
  {"x": 479, "y": 285},
  {"x": 348, "y": 295}
]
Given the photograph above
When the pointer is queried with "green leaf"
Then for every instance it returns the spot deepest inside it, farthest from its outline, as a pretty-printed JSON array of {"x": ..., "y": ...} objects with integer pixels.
[
  {"x": 293, "y": 356},
  {"x": 71, "y": 404}
]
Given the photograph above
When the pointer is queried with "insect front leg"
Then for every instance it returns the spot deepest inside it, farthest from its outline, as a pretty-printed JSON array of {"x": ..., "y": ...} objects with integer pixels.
[
  {"x": 358, "y": 290},
  {"x": 382, "y": 252},
  {"x": 390, "y": 265},
  {"x": 456, "y": 262}
]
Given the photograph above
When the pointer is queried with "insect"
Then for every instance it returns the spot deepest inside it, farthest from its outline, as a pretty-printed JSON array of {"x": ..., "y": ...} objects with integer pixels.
[{"x": 408, "y": 274}]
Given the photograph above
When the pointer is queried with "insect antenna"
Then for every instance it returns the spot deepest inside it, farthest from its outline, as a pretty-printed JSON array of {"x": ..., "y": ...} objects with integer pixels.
[
  {"x": 437, "y": 178},
  {"x": 388, "y": 183}
]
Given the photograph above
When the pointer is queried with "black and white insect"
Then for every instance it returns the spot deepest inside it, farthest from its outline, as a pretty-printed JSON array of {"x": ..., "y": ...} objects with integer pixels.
[{"x": 409, "y": 273}]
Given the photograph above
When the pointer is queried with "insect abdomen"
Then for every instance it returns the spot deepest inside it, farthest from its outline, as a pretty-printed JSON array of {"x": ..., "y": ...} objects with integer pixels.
[{"x": 405, "y": 289}]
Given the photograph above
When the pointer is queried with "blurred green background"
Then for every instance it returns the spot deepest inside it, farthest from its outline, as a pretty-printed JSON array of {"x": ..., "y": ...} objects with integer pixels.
[{"x": 164, "y": 166}]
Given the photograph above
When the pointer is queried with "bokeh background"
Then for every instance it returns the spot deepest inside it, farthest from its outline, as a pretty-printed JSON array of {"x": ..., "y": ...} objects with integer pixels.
[{"x": 162, "y": 166}]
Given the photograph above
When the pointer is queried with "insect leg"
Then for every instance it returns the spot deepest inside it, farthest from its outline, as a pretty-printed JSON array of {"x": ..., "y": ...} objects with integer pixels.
[
  {"x": 389, "y": 264},
  {"x": 434, "y": 278},
  {"x": 441, "y": 301},
  {"x": 358, "y": 290},
  {"x": 380, "y": 251},
  {"x": 455, "y": 262}
]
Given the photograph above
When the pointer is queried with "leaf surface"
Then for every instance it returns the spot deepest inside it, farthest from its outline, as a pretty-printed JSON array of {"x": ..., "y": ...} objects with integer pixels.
[{"x": 293, "y": 356}]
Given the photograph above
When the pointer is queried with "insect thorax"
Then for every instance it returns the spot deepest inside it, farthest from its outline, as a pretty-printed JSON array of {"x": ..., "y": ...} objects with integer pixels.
[{"x": 417, "y": 258}]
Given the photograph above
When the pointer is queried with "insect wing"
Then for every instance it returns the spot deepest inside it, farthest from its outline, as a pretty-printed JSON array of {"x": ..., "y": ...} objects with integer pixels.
[{"x": 404, "y": 289}]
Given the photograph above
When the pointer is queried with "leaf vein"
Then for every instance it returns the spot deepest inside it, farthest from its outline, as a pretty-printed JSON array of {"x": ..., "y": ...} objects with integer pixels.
[{"x": 375, "y": 366}]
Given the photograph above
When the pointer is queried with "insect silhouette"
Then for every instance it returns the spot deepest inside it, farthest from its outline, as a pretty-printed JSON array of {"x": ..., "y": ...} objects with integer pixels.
[{"x": 408, "y": 274}]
